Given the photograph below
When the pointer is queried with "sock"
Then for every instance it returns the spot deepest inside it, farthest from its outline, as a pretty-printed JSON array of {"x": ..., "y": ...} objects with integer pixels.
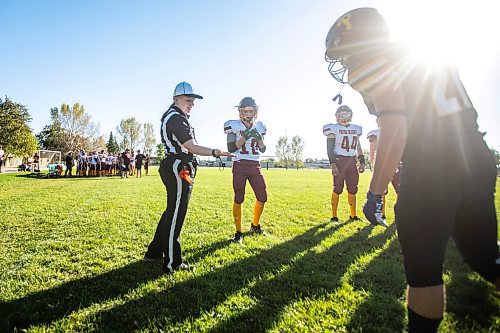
[
  {"x": 383, "y": 205},
  {"x": 258, "y": 208},
  {"x": 352, "y": 203},
  {"x": 237, "y": 216},
  {"x": 418, "y": 323},
  {"x": 335, "y": 203}
]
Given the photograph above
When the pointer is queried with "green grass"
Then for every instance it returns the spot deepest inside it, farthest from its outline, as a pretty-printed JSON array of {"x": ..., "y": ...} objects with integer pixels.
[{"x": 71, "y": 250}]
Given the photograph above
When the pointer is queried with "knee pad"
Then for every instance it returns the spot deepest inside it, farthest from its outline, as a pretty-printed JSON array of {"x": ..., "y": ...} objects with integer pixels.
[
  {"x": 262, "y": 197},
  {"x": 239, "y": 198},
  {"x": 421, "y": 273},
  {"x": 352, "y": 190}
]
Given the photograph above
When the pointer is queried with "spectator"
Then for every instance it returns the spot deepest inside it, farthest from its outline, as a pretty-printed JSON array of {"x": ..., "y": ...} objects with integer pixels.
[
  {"x": 138, "y": 163},
  {"x": 69, "y": 164}
]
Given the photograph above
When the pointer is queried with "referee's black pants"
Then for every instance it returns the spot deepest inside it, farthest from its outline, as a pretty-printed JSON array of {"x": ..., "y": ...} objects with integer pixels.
[{"x": 166, "y": 240}]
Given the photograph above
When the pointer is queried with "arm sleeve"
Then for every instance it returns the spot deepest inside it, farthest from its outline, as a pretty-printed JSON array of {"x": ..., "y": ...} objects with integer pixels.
[
  {"x": 180, "y": 128},
  {"x": 330, "y": 147},
  {"x": 231, "y": 142}
]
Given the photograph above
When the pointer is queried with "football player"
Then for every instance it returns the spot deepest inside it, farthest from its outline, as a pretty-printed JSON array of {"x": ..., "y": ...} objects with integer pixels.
[
  {"x": 396, "y": 179},
  {"x": 342, "y": 147},
  {"x": 425, "y": 113},
  {"x": 245, "y": 138}
]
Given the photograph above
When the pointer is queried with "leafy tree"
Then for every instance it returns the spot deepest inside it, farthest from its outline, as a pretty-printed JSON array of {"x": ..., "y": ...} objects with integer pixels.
[
  {"x": 98, "y": 143},
  {"x": 297, "y": 149},
  {"x": 160, "y": 152},
  {"x": 112, "y": 145},
  {"x": 71, "y": 129},
  {"x": 16, "y": 137},
  {"x": 284, "y": 151},
  {"x": 148, "y": 138},
  {"x": 130, "y": 133}
]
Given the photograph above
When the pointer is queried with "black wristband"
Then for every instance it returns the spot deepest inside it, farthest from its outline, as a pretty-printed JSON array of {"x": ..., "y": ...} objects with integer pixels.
[
  {"x": 361, "y": 159},
  {"x": 213, "y": 153}
]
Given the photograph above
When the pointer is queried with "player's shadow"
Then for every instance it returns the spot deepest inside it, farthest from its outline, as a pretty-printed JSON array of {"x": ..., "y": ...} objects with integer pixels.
[
  {"x": 201, "y": 294},
  {"x": 472, "y": 302},
  {"x": 315, "y": 276},
  {"x": 45, "y": 306},
  {"x": 384, "y": 280}
]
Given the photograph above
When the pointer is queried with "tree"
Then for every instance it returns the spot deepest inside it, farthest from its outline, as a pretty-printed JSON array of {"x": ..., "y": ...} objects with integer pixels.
[
  {"x": 130, "y": 133},
  {"x": 71, "y": 129},
  {"x": 112, "y": 145},
  {"x": 160, "y": 152},
  {"x": 284, "y": 151},
  {"x": 50, "y": 137},
  {"x": 98, "y": 143},
  {"x": 148, "y": 140},
  {"x": 297, "y": 149},
  {"x": 16, "y": 137}
]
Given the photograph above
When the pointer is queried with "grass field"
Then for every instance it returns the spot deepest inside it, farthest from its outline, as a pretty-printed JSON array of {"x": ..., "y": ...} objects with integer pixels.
[{"x": 71, "y": 260}]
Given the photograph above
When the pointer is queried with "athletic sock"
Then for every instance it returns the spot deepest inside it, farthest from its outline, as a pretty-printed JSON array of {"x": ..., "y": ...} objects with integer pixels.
[
  {"x": 335, "y": 203},
  {"x": 237, "y": 216},
  {"x": 258, "y": 208},
  {"x": 419, "y": 324},
  {"x": 352, "y": 203}
]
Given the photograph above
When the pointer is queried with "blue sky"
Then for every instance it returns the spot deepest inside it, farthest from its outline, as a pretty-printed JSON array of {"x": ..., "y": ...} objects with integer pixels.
[{"x": 122, "y": 59}]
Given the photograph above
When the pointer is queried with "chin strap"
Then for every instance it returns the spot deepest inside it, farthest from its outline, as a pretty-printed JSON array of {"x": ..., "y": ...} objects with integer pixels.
[{"x": 339, "y": 96}]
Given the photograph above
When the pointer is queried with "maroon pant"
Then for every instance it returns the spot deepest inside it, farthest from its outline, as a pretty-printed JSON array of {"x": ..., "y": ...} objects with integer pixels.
[
  {"x": 243, "y": 170},
  {"x": 348, "y": 173}
]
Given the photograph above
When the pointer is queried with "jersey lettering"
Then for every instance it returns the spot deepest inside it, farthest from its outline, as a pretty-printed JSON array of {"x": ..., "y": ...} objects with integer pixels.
[
  {"x": 253, "y": 147},
  {"x": 449, "y": 94},
  {"x": 345, "y": 143}
]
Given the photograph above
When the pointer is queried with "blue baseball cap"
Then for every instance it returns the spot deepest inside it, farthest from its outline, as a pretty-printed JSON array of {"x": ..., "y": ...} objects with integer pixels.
[{"x": 185, "y": 88}]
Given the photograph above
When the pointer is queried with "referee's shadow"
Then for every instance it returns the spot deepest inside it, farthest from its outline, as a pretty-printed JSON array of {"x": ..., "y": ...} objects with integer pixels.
[{"x": 46, "y": 306}]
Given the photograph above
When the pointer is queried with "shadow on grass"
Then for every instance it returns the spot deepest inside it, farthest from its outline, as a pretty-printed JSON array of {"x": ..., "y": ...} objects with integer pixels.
[
  {"x": 310, "y": 276},
  {"x": 45, "y": 306},
  {"x": 384, "y": 279},
  {"x": 313, "y": 276},
  {"x": 471, "y": 302}
]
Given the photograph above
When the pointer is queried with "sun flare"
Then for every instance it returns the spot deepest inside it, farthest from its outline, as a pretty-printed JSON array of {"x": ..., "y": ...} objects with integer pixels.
[{"x": 442, "y": 31}]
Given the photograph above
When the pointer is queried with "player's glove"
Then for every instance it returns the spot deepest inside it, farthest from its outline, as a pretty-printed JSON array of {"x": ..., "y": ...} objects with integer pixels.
[
  {"x": 246, "y": 134},
  {"x": 373, "y": 209},
  {"x": 255, "y": 134}
]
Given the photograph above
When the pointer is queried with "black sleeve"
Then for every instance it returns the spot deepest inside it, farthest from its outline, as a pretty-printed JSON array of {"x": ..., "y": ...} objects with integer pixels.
[
  {"x": 330, "y": 145},
  {"x": 231, "y": 142},
  {"x": 231, "y": 147},
  {"x": 179, "y": 126}
]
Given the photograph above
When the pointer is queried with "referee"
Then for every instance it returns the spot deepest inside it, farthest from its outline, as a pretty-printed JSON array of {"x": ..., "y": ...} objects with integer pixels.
[{"x": 177, "y": 172}]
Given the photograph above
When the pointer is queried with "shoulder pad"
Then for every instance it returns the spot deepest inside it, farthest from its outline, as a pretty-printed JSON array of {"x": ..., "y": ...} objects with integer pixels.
[{"x": 328, "y": 129}]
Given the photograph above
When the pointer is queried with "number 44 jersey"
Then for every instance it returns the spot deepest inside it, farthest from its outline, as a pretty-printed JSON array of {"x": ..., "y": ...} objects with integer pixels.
[
  {"x": 249, "y": 150},
  {"x": 346, "y": 138}
]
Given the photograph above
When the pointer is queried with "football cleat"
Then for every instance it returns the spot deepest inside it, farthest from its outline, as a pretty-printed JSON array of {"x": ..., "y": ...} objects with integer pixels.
[
  {"x": 256, "y": 229},
  {"x": 334, "y": 220},
  {"x": 184, "y": 266},
  {"x": 355, "y": 218},
  {"x": 238, "y": 237}
]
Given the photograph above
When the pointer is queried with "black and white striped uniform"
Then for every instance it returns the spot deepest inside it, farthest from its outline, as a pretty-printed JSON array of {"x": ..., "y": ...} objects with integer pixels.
[{"x": 175, "y": 130}]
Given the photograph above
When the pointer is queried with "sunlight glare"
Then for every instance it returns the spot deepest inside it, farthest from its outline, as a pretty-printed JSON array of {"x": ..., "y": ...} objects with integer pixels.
[{"x": 442, "y": 31}]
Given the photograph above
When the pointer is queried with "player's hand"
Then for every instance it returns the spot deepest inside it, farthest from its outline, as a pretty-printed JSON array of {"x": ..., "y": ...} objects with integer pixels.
[
  {"x": 335, "y": 170},
  {"x": 246, "y": 134},
  {"x": 219, "y": 153},
  {"x": 361, "y": 167},
  {"x": 373, "y": 209},
  {"x": 255, "y": 134}
]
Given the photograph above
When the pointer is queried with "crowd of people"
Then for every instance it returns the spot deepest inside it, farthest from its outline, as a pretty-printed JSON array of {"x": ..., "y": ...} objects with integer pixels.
[{"x": 104, "y": 164}]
